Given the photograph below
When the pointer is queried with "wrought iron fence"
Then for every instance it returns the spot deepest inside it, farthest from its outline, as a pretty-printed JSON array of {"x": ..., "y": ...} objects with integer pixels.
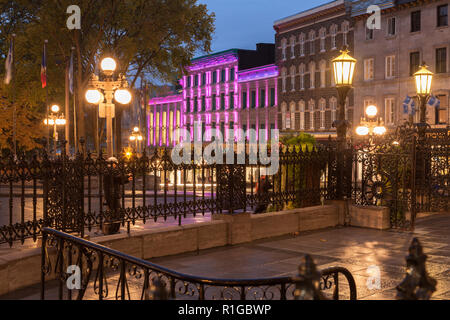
[
  {"x": 89, "y": 193},
  {"x": 110, "y": 274}
]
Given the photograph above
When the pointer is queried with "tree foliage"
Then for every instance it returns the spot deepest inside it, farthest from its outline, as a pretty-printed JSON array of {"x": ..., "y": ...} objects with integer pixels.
[{"x": 152, "y": 39}]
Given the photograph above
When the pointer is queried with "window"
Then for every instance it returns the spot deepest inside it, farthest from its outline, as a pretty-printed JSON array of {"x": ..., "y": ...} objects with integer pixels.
[
  {"x": 302, "y": 45},
  {"x": 195, "y": 105},
  {"x": 196, "y": 80},
  {"x": 391, "y": 27},
  {"x": 222, "y": 101},
  {"x": 442, "y": 111},
  {"x": 283, "y": 79},
  {"x": 302, "y": 77},
  {"x": 333, "y": 36},
  {"x": 312, "y": 105},
  {"x": 415, "y": 21},
  {"x": 368, "y": 69},
  {"x": 302, "y": 114},
  {"x": 389, "y": 108},
  {"x": 441, "y": 60},
  {"x": 369, "y": 34},
  {"x": 203, "y": 79},
  {"x": 292, "y": 78},
  {"x": 232, "y": 74},
  {"x": 222, "y": 75},
  {"x": 323, "y": 66},
  {"x": 244, "y": 100},
  {"x": 203, "y": 104},
  {"x": 262, "y": 99},
  {"x": 231, "y": 100},
  {"x": 322, "y": 106},
  {"x": 283, "y": 49},
  {"x": 345, "y": 30},
  {"x": 214, "y": 102},
  {"x": 414, "y": 62},
  {"x": 188, "y": 104},
  {"x": 333, "y": 106},
  {"x": 214, "y": 79},
  {"x": 272, "y": 97},
  {"x": 390, "y": 67},
  {"x": 323, "y": 33},
  {"x": 292, "y": 47},
  {"x": 312, "y": 75},
  {"x": 312, "y": 39},
  {"x": 442, "y": 16},
  {"x": 253, "y": 99}
]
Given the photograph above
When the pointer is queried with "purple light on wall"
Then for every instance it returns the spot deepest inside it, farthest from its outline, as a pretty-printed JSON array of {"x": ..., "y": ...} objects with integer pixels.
[
  {"x": 212, "y": 62},
  {"x": 265, "y": 72},
  {"x": 164, "y": 100}
]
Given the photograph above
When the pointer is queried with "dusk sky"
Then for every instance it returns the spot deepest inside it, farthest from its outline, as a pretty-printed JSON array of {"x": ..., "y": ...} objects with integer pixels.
[{"x": 243, "y": 23}]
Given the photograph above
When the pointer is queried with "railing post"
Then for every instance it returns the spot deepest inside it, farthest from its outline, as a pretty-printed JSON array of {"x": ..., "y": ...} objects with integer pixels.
[
  {"x": 308, "y": 281},
  {"x": 417, "y": 284}
]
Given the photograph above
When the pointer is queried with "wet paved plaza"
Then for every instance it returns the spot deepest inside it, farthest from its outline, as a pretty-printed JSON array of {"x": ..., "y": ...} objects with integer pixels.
[{"x": 353, "y": 248}]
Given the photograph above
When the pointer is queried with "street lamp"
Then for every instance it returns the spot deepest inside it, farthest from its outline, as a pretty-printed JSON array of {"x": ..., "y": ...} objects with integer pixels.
[
  {"x": 371, "y": 125},
  {"x": 344, "y": 71},
  {"x": 423, "y": 78},
  {"x": 113, "y": 89},
  {"x": 55, "y": 120},
  {"x": 136, "y": 137}
]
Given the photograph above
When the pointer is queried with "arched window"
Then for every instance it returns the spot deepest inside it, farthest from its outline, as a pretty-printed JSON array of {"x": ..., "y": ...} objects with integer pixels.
[
  {"x": 333, "y": 31},
  {"x": 293, "y": 47},
  {"x": 283, "y": 115},
  {"x": 312, "y": 41},
  {"x": 322, "y": 107},
  {"x": 323, "y": 73},
  {"x": 345, "y": 30},
  {"x": 312, "y": 74},
  {"x": 283, "y": 79},
  {"x": 302, "y": 71},
  {"x": 292, "y": 116},
  {"x": 322, "y": 35},
  {"x": 311, "y": 107},
  {"x": 292, "y": 73},
  {"x": 301, "y": 105},
  {"x": 302, "y": 44},
  {"x": 333, "y": 107},
  {"x": 283, "y": 48}
]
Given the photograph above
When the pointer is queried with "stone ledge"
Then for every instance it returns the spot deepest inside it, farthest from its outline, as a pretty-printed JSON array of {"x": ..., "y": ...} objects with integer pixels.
[{"x": 370, "y": 217}]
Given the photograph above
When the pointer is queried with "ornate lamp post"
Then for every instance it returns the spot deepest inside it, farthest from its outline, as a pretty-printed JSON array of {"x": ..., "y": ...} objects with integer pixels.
[
  {"x": 55, "y": 120},
  {"x": 112, "y": 89},
  {"x": 371, "y": 125},
  {"x": 424, "y": 78},
  {"x": 136, "y": 137},
  {"x": 344, "y": 70}
]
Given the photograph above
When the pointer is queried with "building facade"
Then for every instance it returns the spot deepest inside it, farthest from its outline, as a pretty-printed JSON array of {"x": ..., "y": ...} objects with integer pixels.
[
  {"x": 234, "y": 89},
  {"x": 412, "y": 32},
  {"x": 306, "y": 43}
]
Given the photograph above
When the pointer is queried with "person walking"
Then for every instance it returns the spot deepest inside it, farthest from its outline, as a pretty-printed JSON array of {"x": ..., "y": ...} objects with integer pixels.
[{"x": 262, "y": 193}]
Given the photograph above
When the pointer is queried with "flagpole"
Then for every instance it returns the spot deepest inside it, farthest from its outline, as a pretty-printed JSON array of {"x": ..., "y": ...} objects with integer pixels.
[{"x": 14, "y": 98}]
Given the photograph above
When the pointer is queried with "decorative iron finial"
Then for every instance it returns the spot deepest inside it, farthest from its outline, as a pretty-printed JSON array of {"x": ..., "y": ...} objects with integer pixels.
[
  {"x": 157, "y": 291},
  {"x": 417, "y": 284},
  {"x": 308, "y": 282}
]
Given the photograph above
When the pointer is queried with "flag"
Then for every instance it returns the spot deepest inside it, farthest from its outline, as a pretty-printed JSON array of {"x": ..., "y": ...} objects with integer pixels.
[
  {"x": 9, "y": 64},
  {"x": 409, "y": 106},
  {"x": 434, "y": 102},
  {"x": 44, "y": 67},
  {"x": 71, "y": 73}
]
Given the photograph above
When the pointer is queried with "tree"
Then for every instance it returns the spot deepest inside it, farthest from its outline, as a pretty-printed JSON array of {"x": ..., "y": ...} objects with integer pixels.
[{"x": 153, "y": 39}]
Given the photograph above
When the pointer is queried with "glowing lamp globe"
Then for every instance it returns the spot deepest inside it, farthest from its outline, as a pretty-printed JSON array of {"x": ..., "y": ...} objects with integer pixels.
[
  {"x": 371, "y": 111},
  {"x": 362, "y": 131},
  {"x": 140, "y": 138},
  {"x": 108, "y": 65},
  {"x": 344, "y": 69},
  {"x": 379, "y": 131},
  {"x": 136, "y": 129},
  {"x": 94, "y": 96},
  {"x": 423, "y": 77},
  {"x": 55, "y": 108},
  {"x": 122, "y": 96},
  {"x": 132, "y": 138}
]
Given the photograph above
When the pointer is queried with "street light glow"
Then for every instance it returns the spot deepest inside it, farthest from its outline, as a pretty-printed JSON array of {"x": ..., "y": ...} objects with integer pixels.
[
  {"x": 362, "y": 131},
  {"x": 132, "y": 138},
  {"x": 371, "y": 111},
  {"x": 381, "y": 130},
  {"x": 108, "y": 64},
  {"x": 55, "y": 108},
  {"x": 122, "y": 96},
  {"x": 94, "y": 96},
  {"x": 136, "y": 129}
]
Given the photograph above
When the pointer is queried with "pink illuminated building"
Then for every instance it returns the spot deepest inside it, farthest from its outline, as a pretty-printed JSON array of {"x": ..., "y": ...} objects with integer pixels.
[{"x": 233, "y": 89}]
